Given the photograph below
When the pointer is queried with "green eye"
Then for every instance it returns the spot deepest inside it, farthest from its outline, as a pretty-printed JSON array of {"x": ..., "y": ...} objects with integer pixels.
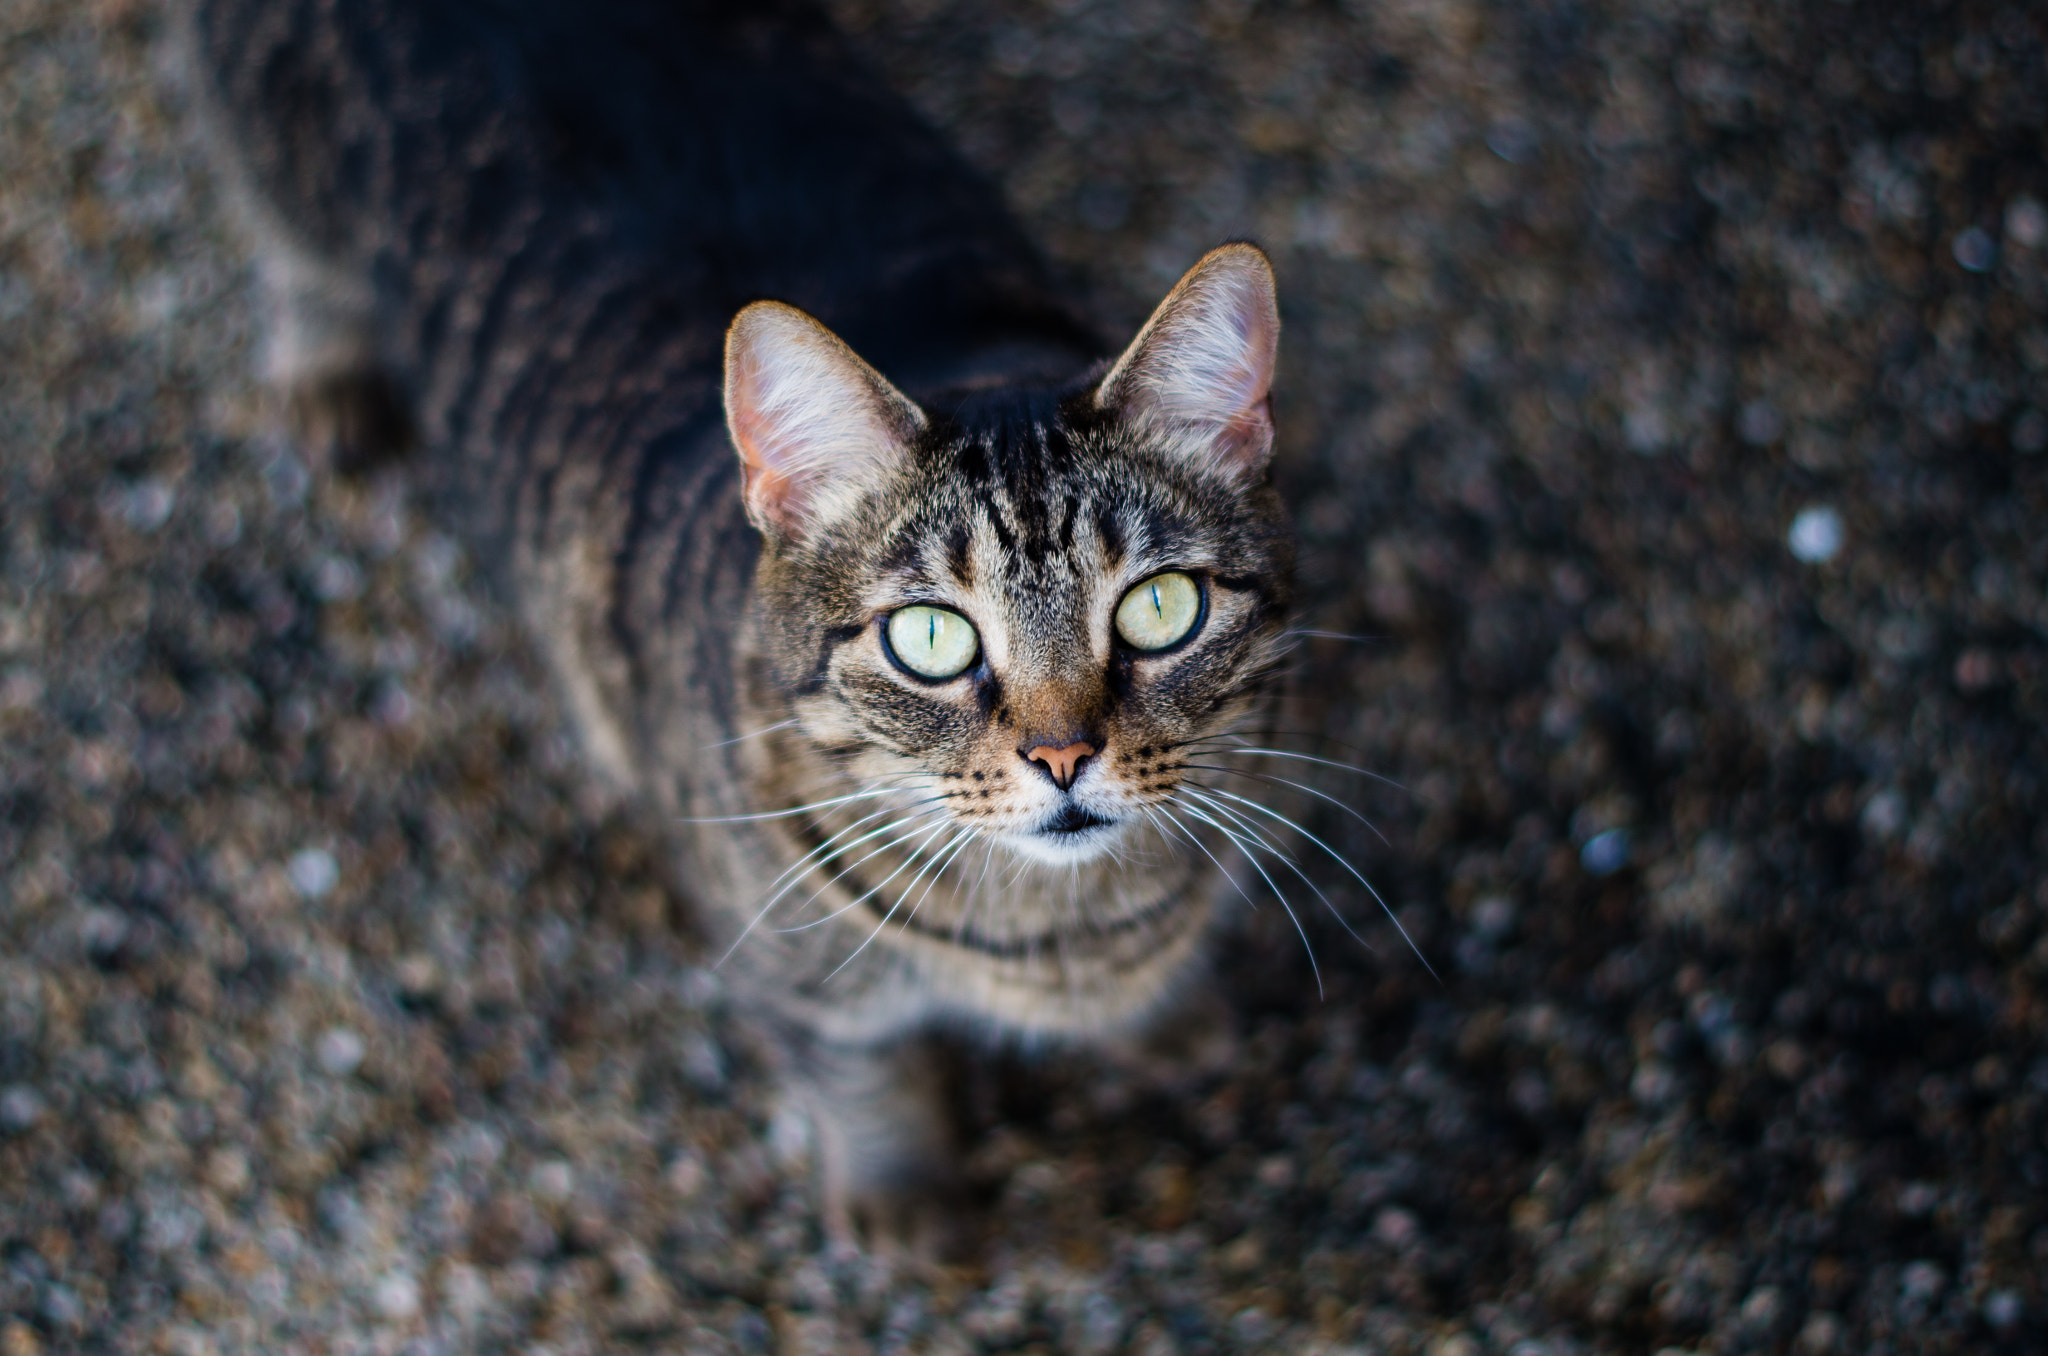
[
  {"x": 1159, "y": 611},
  {"x": 932, "y": 642}
]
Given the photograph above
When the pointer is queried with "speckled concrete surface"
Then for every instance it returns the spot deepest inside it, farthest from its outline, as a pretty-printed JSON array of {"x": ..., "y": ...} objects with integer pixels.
[{"x": 1663, "y": 398}]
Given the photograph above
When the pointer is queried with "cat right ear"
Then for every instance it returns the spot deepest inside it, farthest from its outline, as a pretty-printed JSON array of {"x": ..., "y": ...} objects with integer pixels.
[{"x": 815, "y": 427}]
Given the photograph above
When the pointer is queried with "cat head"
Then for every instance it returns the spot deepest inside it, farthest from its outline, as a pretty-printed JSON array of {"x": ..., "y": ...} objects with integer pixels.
[{"x": 1030, "y": 604}]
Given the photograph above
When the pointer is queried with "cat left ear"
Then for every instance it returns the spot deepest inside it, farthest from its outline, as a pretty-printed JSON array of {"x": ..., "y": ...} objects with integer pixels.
[
  {"x": 1201, "y": 371},
  {"x": 816, "y": 428}
]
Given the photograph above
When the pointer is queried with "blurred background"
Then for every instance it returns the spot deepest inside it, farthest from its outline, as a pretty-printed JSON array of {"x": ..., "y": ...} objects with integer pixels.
[{"x": 1663, "y": 403}]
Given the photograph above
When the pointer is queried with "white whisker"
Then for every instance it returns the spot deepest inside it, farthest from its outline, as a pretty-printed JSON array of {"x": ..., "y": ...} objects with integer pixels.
[
  {"x": 1248, "y": 751},
  {"x": 1271, "y": 884},
  {"x": 797, "y": 868},
  {"x": 1287, "y": 859},
  {"x": 754, "y": 734},
  {"x": 1344, "y": 862},
  {"x": 891, "y": 913},
  {"x": 1299, "y": 786}
]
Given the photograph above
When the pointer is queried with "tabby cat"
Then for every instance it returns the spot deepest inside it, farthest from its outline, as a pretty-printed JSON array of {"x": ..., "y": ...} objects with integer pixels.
[{"x": 911, "y": 680}]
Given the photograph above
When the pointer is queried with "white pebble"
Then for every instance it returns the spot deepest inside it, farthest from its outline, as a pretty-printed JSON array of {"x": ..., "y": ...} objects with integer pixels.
[
  {"x": 2003, "y": 1308},
  {"x": 2026, "y": 222},
  {"x": 21, "y": 1106},
  {"x": 340, "y": 1052},
  {"x": 314, "y": 873},
  {"x": 1816, "y": 534},
  {"x": 553, "y": 1181},
  {"x": 397, "y": 1295}
]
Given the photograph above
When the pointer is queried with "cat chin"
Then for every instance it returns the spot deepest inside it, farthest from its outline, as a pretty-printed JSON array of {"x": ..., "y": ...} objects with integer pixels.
[{"x": 1065, "y": 849}]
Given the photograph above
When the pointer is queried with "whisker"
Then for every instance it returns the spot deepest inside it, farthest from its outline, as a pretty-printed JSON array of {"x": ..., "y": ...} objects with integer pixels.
[
  {"x": 1203, "y": 848},
  {"x": 798, "y": 877},
  {"x": 1287, "y": 860},
  {"x": 937, "y": 857},
  {"x": 1344, "y": 862},
  {"x": 924, "y": 835},
  {"x": 1249, "y": 751},
  {"x": 754, "y": 734},
  {"x": 1334, "y": 635},
  {"x": 1278, "y": 894},
  {"x": 1299, "y": 786},
  {"x": 867, "y": 794},
  {"x": 947, "y": 856}
]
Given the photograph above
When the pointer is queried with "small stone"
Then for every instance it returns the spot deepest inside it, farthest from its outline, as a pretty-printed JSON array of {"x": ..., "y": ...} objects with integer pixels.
[
  {"x": 1605, "y": 853},
  {"x": 685, "y": 1175},
  {"x": 1493, "y": 917},
  {"x": 336, "y": 579},
  {"x": 1922, "y": 1281},
  {"x": 19, "y": 1339},
  {"x": 1758, "y": 424},
  {"x": 1884, "y": 815},
  {"x": 1396, "y": 1227},
  {"x": 397, "y": 1295},
  {"x": 1653, "y": 1084},
  {"x": 2004, "y": 1308},
  {"x": 2030, "y": 432},
  {"x": 418, "y": 976},
  {"x": 1763, "y": 1308},
  {"x": 1975, "y": 250},
  {"x": 2026, "y": 222},
  {"x": 21, "y": 1106},
  {"x": 340, "y": 1052},
  {"x": 62, "y": 1308},
  {"x": 1976, "y": 670},
  {"x": 148, "y": 505},
  {"x": 553, "y": 1181},
  {"x": 1822, "y": 1333},
  {"x": 313, "y": 872},
  {"x": 227, "y": 1170},
  {"x": 1816, "y": 535}
]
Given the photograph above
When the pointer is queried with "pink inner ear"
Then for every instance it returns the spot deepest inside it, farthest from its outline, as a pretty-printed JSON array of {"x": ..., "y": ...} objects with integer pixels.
[
  {"x": 769, "y": 490},
  {"x": 1248, "y": 439},
  {"x": 771, "y": 493}
]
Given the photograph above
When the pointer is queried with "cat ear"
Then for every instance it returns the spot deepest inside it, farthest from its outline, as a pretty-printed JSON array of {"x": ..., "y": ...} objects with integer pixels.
[
  {"x": 1201, "y": 371},
  {"x": 815, "y": 426}
]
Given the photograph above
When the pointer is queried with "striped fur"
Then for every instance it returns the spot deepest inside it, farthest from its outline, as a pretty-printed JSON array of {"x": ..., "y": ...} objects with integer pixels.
[{"x": 542, "y": 220}]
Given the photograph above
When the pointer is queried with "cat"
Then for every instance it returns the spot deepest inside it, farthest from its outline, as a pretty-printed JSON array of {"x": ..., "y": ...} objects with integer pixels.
[{"x": 895, "y": 597}]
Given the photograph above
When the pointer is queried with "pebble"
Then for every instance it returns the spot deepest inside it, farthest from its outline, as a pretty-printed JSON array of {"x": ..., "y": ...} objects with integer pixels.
[
  {"x": 397, "y": 1295},
  {"x": 21, "y": 1107},
  {"x": 1605, "y": 853},
  {"x": 1975, "y": 250},
  {"x": 314, "y": 873},
  {"x": 339, "y": 1052},
  {"x": 1816, "y": 535}
]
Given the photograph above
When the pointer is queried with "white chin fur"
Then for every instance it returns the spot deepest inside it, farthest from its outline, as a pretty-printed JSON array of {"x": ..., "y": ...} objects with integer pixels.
[{"x": 1064, "y": 849}]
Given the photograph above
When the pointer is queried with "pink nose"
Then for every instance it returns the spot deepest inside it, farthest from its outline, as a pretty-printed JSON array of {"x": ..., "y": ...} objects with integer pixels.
[{"x": 1064, "y": 764}]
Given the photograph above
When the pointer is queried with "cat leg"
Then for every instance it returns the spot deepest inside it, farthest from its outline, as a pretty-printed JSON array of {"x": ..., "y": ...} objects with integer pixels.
[
  {"x": 887, "y": 1158},
  {"x": 342, "y": 405},
  {"x": 1192, "y": 1040}
]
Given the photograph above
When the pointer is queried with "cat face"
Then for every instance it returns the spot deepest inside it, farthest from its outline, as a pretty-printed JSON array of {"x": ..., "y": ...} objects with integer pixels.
[{"x": 1023, "y": 609}]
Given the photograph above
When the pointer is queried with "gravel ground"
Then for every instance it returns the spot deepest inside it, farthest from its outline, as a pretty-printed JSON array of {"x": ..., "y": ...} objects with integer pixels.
[{"x": 1664, "y": 401}]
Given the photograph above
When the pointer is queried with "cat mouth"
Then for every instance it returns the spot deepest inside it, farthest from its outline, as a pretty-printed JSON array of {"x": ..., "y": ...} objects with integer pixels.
[{"x": 1070, "y": 820}]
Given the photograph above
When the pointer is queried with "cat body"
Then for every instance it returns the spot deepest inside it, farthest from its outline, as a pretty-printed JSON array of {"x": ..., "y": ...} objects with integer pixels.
[{"x": 521, "y": 234}]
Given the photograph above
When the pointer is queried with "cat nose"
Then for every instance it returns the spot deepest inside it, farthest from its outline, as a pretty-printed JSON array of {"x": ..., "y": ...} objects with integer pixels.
[{"x": 1062, "y": 764}]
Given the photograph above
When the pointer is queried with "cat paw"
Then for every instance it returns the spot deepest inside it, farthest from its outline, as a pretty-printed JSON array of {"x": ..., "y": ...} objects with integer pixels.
[
  {"x": 920, "y": 1227},
  {"x": 352, "y": 419}
]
